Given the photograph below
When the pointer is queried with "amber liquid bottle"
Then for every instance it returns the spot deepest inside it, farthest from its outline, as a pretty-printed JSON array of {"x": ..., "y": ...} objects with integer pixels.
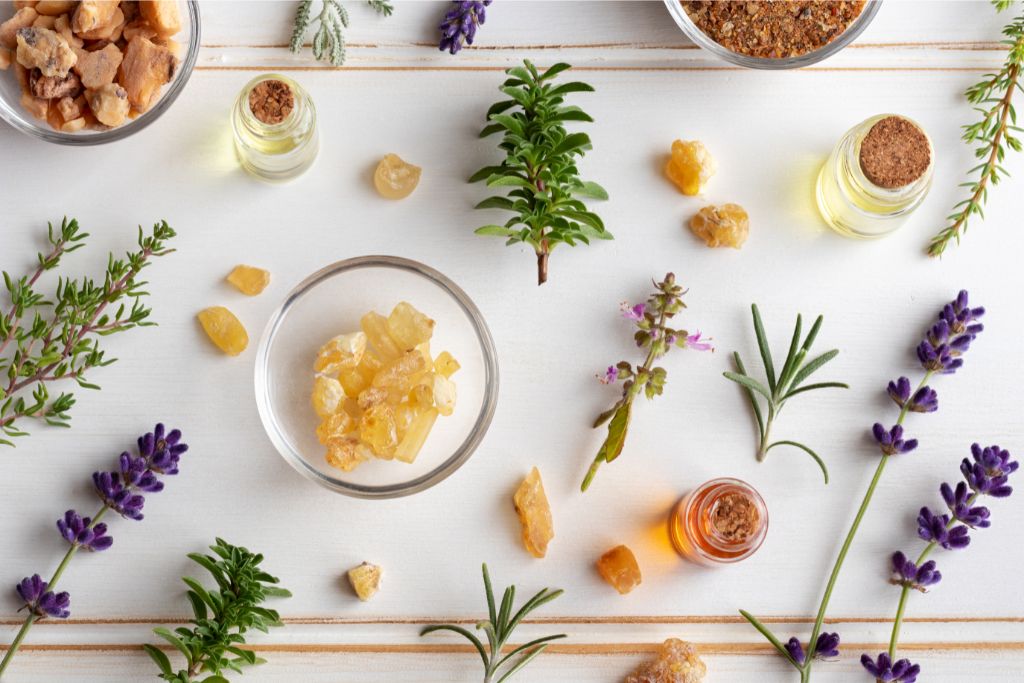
[{"x": 720, "y": 522}]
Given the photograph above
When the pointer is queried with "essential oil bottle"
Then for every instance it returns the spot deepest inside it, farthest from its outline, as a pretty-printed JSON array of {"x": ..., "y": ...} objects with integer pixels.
[
  {"x": 720, "y": 522},
  {"x": 275, "y": 129}
]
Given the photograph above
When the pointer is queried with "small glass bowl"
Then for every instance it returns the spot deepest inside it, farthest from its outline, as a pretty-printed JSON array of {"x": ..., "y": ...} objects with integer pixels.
[
  {"x": 330, "y": 302},
  {"x": 12, "y": 112},
  {"x": 675, "y": 8}
]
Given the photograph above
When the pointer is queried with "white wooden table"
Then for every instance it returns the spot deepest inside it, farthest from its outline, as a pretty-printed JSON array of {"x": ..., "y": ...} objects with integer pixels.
[{"x": 769, "y": 132}]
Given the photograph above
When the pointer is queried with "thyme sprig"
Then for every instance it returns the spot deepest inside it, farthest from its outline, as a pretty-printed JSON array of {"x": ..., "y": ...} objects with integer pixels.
[
  {"x": 540, "y": 165},
  {"x": 329, "y": 39},
  {"x": 993, "y": 134},
  {"x": 784, "y": 386},
  {"x": 223, "y": 615},
  {"x": 43, "y": 341},
  {"x": 499, "y": 666}
]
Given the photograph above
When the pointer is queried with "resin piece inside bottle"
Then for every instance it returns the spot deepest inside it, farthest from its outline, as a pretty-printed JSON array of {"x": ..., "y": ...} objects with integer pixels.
[
  {"x": 534, "y": 512},
  {"x": 619, "y": 568}
]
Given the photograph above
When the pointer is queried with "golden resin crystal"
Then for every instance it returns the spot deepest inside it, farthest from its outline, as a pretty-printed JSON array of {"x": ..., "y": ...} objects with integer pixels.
[
  {"x": 394, "y": 178},
  {"x": 534, "y": 512},
  {"x": 690, "y": 166},
  {"x": 619, "y": 568},
  {"x": 721, "y": 226},
  {"x": 677, "y": 662},
  {"x": 249, "y": 280},
  {"x": 365, "y": 580},
  {"x": 378, "y": 392},
  {"x": 224, "y": 330}
]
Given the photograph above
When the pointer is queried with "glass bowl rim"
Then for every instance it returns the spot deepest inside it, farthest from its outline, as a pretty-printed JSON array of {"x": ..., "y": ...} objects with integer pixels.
[
  {"x": 702, "y": 40},
  {"x": 469, "y": 444},
  {"x": 9, "y": 115}
]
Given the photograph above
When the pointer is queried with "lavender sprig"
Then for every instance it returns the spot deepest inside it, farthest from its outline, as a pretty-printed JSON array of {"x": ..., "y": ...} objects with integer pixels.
[
  {"x": 458, "y": 28},
  {"x": 122, "y": 491},
  {"x": 986, "y": 473},
  {"x": 940, "y": 352},
  {"x": 654, "y": 334}
]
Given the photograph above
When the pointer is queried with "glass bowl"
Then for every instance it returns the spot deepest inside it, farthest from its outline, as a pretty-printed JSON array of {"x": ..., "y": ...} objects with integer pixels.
[
  {"x": 12, "y": 112},
  {"x": 330, "y": 302},
  {"x": 675, "y": 8}
]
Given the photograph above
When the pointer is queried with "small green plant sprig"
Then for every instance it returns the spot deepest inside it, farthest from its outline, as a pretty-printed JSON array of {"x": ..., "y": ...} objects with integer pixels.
[
  {"x": 782, "y": 387},
  {"x": 540, "y": 165},
  {"x": 329, "y": 39},
  {"x": 43, "y": 341},
  {"x": 223, "y": 615},
  {"x": 993, "y": 100},
  {"x": 499, "y": 625}
]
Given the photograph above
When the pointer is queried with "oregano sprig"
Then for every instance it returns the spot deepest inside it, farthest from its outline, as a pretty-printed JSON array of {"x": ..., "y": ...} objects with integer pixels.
[
  {"x": 329, "y": 39},
  {"x": 993, "y": 134},
  {"x": 499, "y": 666},
  {"x": 223, "y": 615},
  {"x": 540, "y": 165},
  {"x": 781, "y": 387},
  {"x": 43, "y": 340}
]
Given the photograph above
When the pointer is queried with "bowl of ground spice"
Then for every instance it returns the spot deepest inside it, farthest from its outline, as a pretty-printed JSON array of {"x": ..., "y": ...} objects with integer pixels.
[{"x": 773, "y": 34}]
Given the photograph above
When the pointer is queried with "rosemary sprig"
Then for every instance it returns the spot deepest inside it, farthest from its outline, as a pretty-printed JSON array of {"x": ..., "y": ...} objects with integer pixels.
[
  {"x": 540, "y": 165},
  {"x": 785, "y": 385},
  {"x": 993, "y": 99},
  {"x": 223, "y": 615},
  {"x": 329, "y": 39},
  {"x": 44, "y": 341},
  {"x": 499, "y": 666}
]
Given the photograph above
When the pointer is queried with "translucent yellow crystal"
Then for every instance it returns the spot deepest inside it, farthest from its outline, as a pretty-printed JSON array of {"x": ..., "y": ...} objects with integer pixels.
[
  {"x": 343, "y": 351},
  {"x": 443, "y": 390},
  {"x": 394, "y": 178},
  {"x": 445, "y": 364},
  {"x": 677, "y": 662},
  {"x": 721, "y": 226},
  {"x": 346, "y": 453},
  {"x": 334, "y": 427},
  {"x": 416, "y": 435},
  {"x": 690, "y": 166},
  {"x": 249, "y": 280},
  {"x": 408, "y": 327},
  {"x": 365, "y": 580},
  {"x": 619, "y": 568},
  {"x": 375, "y": 326},
  {"x": 534, "y": 512},
  {"x": 327, "y": 395},
  {"x": 379, "y": 430},
  {"x": 224, "y": 330},
  {"x": 399, "y": 376}
]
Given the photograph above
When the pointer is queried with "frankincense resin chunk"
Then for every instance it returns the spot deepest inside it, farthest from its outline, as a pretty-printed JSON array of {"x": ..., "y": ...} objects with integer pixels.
[
  {"x": 365, "y": 580},
  {"x": 394, "y": 178},
  {"x": 690, "y": 166},
  {"x": 535, "y": 514},
  {"x": 677, "y": 662},
  {"x": 224, "y": 330},
  {"x": 619, "y": 568},
  {"x": 721, "y": 226},
  {"x": 249, "y": 280}
]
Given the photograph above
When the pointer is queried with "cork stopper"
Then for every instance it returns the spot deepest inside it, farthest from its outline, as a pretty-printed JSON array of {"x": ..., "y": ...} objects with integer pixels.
[
  {"x": 735, "y": 517},
  {"x": 271, "y": 101},
  {"x": 895, "y": 153}
]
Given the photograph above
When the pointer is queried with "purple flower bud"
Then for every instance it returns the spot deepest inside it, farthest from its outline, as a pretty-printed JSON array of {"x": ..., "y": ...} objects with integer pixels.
[
  {"x": 891, "y": 442},
  {"x": 959, "y": 502},
  {"x": 694, "y": 342},
  {"x": 925, "y": 400},
  {"x": 42, "y": 602},
  {"x": 633, "y": 312},
  {"x": 886, "y": 671},
  {"x": 458, "y": 28},
  {"x": 906, "y": 573},
  {"x": 80, "y": 531},
  {"x": 936, "y": 529},
  {"x": 827, "y": 647},
  {"x": 990, "y": 470},
  {"x": 899, "y": 391},
  {"x": 117, "y": 497},
  {"x": 795, "y": 650},
  {"x": 611, "y": 375},
  {"x": 960, "y": 317}
]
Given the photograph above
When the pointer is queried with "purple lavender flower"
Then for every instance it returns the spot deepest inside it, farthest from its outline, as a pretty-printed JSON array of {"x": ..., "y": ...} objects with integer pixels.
[
  {"x": 42, "y": 602},
  {"x": 633, "y": 312},
  {"x": 936, "y": 529},
  {"x": 80, "y": 531},
  {"x": 458, "y": 28},
  {"x": 826, "y": 648},
  {"x": 886, "y": 671},
  {"x": 891, "y": 441},
  {"x": 959, "y": 502},
  {"x": 961, "y": 317},
  {"x": 906, "y": 573},
  {"x": 159, "y": 453},
  {"x": 951, "y": 336},
  {"x": 899, "y": 391},
  {"x": 117, "y": 497},
  {"x": 989, "y": 472}
]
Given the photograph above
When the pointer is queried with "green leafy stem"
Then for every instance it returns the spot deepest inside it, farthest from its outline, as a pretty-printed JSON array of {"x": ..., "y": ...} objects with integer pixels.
[{"x": 329, "y": 39}]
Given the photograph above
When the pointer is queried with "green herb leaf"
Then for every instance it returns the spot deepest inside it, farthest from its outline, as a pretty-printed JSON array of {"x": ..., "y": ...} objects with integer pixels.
[
  {"x": 817, "y": 459},
  {"x": 749, "y": 383},
  {"x": 762, "y": 345}
]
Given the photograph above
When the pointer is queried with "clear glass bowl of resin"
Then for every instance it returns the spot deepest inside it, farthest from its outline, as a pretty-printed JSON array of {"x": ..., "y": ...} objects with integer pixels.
[
  {"x": 330, "y": 302},
  {"x": 701, "y": 39},
  {"x": 15, "y": 115}
]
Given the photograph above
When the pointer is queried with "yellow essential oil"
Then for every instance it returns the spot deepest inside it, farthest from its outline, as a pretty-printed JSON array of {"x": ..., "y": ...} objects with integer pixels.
[{"x": 276, "y": 137}]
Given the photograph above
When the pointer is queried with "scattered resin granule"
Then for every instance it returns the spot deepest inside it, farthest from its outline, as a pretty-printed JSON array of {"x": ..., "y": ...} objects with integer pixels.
[
  {"x": 534, "y": 512},
  {"x": 394, "y": 178},
  {"x": 721, "y": 226},
  {"x": 224, "y": 330},
  {"x": 249, "y": 280},
  {"x": 677, "y": 662},
  {"x": 690, "y": 166},
  {"x": 365, "y": 580},
  {"x": 619, "y": 568}
]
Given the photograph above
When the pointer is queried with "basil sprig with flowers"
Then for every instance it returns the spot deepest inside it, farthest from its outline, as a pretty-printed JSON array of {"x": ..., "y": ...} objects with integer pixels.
[
  {"x": 48, "y": 340},
  {"x": 654, "y": 334},
  {"x": 785, "y": 385},
  {"x": 122, "y": 491},
  {"x": 985, "y": 474},
  {"x": 940, "y": 352},
  {"x": 540, "y": 165},
  {"x": 222, "y": 616},
  {"x": 499, "y": 666}
]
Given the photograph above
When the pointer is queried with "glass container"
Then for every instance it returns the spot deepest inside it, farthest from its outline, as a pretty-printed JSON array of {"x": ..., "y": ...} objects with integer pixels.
[
  {"x": 855, "y": 207},
  {"x": 698, "y": 537},
  {"x": 280, "y": 151}
]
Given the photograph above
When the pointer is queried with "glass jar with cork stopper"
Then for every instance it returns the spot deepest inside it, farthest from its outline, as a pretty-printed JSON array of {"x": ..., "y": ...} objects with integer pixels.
[
  {"x": 878, "y": 173},
  {"x": 720, "y": 522},
  {"x": 275, "y": 128}
]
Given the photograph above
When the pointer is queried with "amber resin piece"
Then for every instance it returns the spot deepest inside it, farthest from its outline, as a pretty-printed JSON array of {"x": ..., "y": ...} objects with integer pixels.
[
  {"x": 619, "y": 568},
  {"x": 365, "y": 580},
  {"x": 721, "y": 226},
  {"x": 328, "y": 396},
  {"x": 677, "y": 662},
  {"x": 690, "y": 166},
  {"x": 534, "y": 512},
  {"x": 224, "y": 330},
  {"x": 394, "y": 178},
  {"x": 249, "y": 280}
]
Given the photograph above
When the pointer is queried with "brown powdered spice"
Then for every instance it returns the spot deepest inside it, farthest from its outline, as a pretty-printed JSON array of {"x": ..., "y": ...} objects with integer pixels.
[
  {"x": 735, "y": 517},
  {"x": 895, "y": 153},
  {"x": 271, "y": 102},
  {"x": 773, "y": 29}
]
